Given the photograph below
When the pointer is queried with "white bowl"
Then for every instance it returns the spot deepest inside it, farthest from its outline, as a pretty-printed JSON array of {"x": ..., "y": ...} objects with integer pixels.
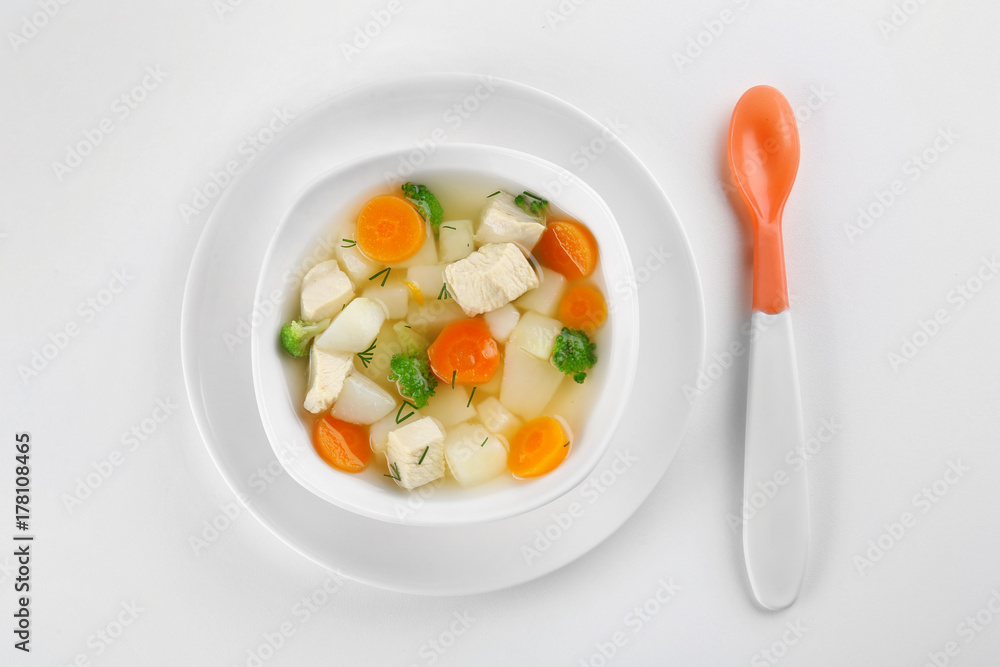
[{"x": 304, "y": 236}]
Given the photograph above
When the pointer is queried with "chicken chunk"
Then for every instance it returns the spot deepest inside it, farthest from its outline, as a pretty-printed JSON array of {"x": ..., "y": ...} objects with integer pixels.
[
  {"x": 415, "y": 453},
  {"x": 503, "y": 221},
  {"x": 378, "y": 433},
  {"x": 325, "y": 290},
  {"x": 489, "y": 278},
  {"x": 327, "y": 373}
]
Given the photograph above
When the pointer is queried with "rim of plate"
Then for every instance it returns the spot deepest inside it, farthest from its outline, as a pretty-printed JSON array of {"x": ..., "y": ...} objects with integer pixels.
[{"x": 202, "y": 247}]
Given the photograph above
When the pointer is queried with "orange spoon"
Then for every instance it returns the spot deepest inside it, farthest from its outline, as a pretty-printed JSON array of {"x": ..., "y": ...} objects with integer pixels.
[{"x": 764, "y": 158}]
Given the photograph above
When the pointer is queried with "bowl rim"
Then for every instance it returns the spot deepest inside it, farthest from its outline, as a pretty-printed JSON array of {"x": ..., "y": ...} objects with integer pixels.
[{"x": 626, "y": 337}]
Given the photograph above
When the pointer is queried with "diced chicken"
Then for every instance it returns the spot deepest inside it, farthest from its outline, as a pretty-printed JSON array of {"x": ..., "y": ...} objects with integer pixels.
[
  {"x": 415, "y": 453},
  {"x": 354, "y": 329},
  {"x": 378, "y": 433},
  {"x": 325, "y": 290},
  {"x": 327, "y": 373},
  {"x": 503, "y": 221},
  {"x": 491, "y": 277}
]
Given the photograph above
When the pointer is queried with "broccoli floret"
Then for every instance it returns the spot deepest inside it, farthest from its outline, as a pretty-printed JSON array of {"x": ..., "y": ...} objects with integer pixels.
[
  {"x": 531, "y": 204},
  {"x": 412, "y": 375},
  {"x": 573, "y": 353},
  {"x": 295, "y": 335},
  {"x": 426, "y": 203},
  {"x": 412, "y": 341}
]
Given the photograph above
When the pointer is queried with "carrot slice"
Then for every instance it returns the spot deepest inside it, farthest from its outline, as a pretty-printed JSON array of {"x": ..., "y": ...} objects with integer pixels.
[
  {"x": 390, "y": 230},
  {"x": 583, "y": 307},
  {"x": 464, "y": 353},
  {"x": 568, "y": 247},
  {"x": 341, "y": 444},
  {"x": 418, "y": 296},
  {"x": 538, "y": 447}
]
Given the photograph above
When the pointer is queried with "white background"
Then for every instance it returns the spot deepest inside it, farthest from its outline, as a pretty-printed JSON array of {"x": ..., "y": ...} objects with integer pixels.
[{"x": 880, "y": 95}]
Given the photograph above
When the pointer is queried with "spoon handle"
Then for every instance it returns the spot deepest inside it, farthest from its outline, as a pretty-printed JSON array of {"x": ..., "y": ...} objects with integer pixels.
[{"x": 775, "y": 498}]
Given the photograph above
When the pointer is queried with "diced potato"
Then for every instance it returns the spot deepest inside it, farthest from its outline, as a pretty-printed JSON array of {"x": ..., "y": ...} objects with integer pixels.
[
  {"x": 428, "y": 279},
  {"x": 394, "y": 296},
  {"x": 535, "y": 334},
  {"x": 415, "y": 453},
  {"x": 491, "y": 388},
  {"x": 528, "y": 382},
  {"x": 386, "y": 345},
  {"x": 497, "y": 418},
  {"x": 544, "y": 299},
  {"x": 426, "y": 255},
  {"x": 449, "y": 406},
  {"x": 474, "y": 454},
  {"x": 502, "y": 321},
  {"x": 352, "y": 260},
  {"x": 503, "y": 221},
  {"x": 430, "y": 318},
  {"x": 327, "y": 373},
  {"x": 361, "y": 401},
  {"x": 325, "y": 290},
  {"x": 354, "y": 329},
  {"x": 379, "y": 431},
  {"x": 455, "y": 240}
]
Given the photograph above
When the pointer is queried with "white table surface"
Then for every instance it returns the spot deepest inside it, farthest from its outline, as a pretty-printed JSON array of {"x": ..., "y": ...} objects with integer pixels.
[{"x": 881, "y": 95}]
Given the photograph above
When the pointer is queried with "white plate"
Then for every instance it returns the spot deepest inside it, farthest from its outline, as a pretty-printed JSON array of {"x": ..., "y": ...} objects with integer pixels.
[
  {"x": 305, "y": 235},
  {"x": 422, "y": 112}
]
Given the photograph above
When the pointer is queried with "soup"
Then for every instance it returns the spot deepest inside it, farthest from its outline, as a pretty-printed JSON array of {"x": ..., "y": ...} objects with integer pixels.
[{"x": 450, "y": 336}]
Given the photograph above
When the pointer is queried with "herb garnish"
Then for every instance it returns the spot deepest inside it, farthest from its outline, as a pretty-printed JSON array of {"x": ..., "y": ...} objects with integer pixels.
[
  {"x": 423, "y": 455},
  {"x": 385, "y": 271},
  {"x": 470, "y": 397},
  {"x": 535, "y": 207},
  {"x": 395, "y": 469},
  {"x": 399, "y": 419},
  {"x": 366, "y": 356}
]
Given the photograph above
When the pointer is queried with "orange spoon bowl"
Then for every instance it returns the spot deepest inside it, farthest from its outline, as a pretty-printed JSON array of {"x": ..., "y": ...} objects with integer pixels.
[{"x": 764, "y": 159}]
